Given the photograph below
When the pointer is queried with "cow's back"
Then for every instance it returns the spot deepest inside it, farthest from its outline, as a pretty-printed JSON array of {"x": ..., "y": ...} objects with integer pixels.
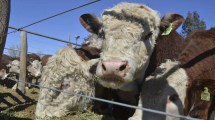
[
  {"x": 6, "y": 59},
  {"x": 198, "y": 60},
  {"x": 45, "y": 59},
  {"x": 199, "y": 55},
  {"x": 32, "y": 57}
]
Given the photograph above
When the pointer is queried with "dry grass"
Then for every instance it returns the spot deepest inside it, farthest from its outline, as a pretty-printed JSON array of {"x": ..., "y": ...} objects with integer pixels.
[{"x": 16, "y": 106}]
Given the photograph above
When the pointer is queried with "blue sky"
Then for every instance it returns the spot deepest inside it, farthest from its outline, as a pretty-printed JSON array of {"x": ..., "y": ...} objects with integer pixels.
[{"x": 24, "y": 12}]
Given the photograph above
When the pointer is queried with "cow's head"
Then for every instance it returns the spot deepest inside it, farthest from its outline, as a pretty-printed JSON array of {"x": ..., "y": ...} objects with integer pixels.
[
  {"x": 165, "y": 91},
  {"x": 14, "y": 67},
  {"x": 128, "y": 33},
  {"x": 3, "y": 72},
  {"x": 35, "y": 68}
]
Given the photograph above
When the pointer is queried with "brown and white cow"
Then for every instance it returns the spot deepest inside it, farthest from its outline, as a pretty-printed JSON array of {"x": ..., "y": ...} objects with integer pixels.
[
  {"x": 31, "y": 57},
  {"x": 34, "y": 68},
  {"x": 33, "y": 65},
  {"x": 4, "y": 70},
  {"x": 198, "y": 61},
  {"x": 128, "y": 32},
  {"x": 185, "y": 86}
]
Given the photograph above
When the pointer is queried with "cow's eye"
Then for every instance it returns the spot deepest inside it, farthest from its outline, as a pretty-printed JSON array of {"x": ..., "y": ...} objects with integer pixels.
[
  {"x": 146, "y": 36},
  {"x": 174, "y": 97}
]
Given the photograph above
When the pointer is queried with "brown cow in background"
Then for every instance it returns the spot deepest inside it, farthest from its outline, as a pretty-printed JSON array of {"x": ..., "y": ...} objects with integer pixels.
[
  {"x": 45, "y": 59},
  {"x": 4, "y": 70},
  {"x": 198, "y": 60},
  {"x": 34, "y": 68},
  {"x": 31, "y": 57},
  {"x": 167, "y": 46},
  {"x": 185, "y": 86}
]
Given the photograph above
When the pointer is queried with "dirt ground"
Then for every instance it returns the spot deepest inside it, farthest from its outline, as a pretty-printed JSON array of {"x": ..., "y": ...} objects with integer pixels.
[{"x": 17, "y": 106}]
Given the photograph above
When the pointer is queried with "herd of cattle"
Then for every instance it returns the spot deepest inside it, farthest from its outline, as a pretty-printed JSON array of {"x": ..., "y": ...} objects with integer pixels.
[
  {"x": 10, "y": 68},
  {"x": 136, "y": 57}
]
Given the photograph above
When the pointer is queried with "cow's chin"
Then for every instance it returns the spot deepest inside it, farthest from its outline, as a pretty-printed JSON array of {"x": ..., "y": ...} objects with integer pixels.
[{"x": 113, "y": 82}]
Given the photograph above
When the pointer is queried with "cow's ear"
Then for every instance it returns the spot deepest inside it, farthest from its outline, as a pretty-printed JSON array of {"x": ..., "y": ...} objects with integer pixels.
[
  {"x": 170, "y": 22},
  {"x": 91, "y": 23}
]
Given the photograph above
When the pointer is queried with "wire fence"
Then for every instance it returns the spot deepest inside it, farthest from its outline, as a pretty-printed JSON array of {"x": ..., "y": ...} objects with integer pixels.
[
  {"x": 20, "y": 51},
  {"x": 42, "y": 20},
  {"x": 46, "y": 36},
  {"x": 111, "y": 102},
  {"x": 71, "y": 93}
]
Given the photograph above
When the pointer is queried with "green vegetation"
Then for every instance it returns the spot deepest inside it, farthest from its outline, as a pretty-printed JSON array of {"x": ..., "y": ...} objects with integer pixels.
[{"x": 191, "y": 23}]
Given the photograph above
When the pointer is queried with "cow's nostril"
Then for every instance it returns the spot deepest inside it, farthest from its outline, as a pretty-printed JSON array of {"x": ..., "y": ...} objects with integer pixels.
[
  {"x": 122, "y": 67},
  {"x": 103, "y": 67}
]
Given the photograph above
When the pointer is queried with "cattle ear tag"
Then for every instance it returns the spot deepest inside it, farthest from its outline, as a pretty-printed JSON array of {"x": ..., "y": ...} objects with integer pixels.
[
  {"x": 205, "y": 95},
  {"x": 168, "y": 30}
]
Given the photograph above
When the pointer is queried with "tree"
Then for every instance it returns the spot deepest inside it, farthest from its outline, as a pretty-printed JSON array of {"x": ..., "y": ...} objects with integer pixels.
[
  {"x": 4, "y": 21},
  {"x": 191, "y": 23},
  {"x": 14, "y": 51}
]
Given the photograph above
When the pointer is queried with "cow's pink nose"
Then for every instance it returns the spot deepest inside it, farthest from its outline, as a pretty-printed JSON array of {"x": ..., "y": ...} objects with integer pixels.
[{"x": 115, "y": 67}]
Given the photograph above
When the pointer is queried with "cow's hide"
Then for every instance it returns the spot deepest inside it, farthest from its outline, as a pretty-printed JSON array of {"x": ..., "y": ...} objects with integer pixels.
[
  {"x": 127, "y": 29},
  {"x": 45, "y": 59},
  {"x": 179, "y": 90},
  {"x": 165, "y": 91},
  {"x": 128, "y": 32},
  {"x": 68, "y": 72}
]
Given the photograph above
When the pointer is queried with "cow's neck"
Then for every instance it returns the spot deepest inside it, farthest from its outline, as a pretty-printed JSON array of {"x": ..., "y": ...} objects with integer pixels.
[
  {"x": 168, "y": 80},
  {"x": 168, "y": 74}
]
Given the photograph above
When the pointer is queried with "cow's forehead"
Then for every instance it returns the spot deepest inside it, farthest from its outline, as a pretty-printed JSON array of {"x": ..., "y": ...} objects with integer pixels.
[
  {"x": 36, "y": 63},
  {"x": 15, "y": 62},
  {"x": 131, "y": 14},
  {"x": 128, "y": 22}
]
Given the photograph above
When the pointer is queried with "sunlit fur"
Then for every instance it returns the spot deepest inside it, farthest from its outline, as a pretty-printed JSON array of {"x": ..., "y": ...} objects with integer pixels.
[
  {"x": 124, "y": 27},
  {"x": 14, "y": 67},
  {"x": 35, "y": 68},
  {"x": 69, "y": 72},
  {"x": 169, "y": 79},
  {"x": 3, "y": 74}
]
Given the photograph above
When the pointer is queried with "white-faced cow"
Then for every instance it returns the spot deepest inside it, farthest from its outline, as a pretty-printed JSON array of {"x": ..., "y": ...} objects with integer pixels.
[
  {"x": 4, "y": 70},
  {"x": 34, "y": 68},
  {"x": 5, "y": 60},
  {"x": 185, "y": 86},
  {"x": 128, "y": 32}
]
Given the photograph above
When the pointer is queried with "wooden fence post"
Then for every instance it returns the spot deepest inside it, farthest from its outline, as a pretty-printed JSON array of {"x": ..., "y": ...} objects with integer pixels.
[
  {"x": 4, "y": 21},
  {"x": 22, "y": 75}
]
